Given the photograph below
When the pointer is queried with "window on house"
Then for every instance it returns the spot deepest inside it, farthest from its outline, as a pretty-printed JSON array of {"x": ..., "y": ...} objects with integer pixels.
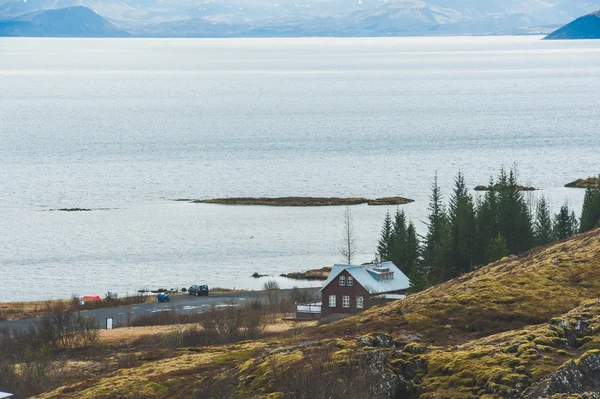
[
  {"x": 360, "y": 302},
  {"x": 342, "y": 281},
  {"x": 332, "y": 301},
  {"x": 350, "y": 281},
  {"x": 346, "y": 301}
]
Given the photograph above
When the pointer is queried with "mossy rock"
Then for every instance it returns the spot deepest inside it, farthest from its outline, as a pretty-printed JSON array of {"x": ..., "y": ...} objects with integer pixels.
[{"x": 414, "y": 348}]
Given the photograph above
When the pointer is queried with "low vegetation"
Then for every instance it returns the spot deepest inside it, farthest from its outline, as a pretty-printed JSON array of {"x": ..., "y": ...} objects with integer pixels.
[
  {"x": 24, "y": 310},
  {"x": 507, "y": 330},
  {"x": 508, "y": 294},
  {"x": 34, "y": 360}
]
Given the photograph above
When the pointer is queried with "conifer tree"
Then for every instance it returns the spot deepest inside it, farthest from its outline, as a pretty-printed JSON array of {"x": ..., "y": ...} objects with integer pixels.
[
  {"x": 590, "y": 212},
  {"x": 385, "y": 241},
  {"x": 487, "y": 222},
  {"x": 514, "y": 219},
  {"x": 565, "y": 223},
  {"x": 436, "y": 240},
  {"x": 496, "y": 250},
  {"x": 542, "y": 227},
  {"x": 418, "y": 281},
  {"x": 462, "y": 226},
  {"x": 398, "y": 241},
  {"x": 412, "y": 249}
]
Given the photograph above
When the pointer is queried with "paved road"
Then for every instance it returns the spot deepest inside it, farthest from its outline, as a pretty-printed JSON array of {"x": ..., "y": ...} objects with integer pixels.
[{"x": 186, "y": 304}]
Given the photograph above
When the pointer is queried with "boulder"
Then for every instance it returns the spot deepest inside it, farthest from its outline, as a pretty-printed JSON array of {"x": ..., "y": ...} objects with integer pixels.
[{"x": 576, "y": 377}]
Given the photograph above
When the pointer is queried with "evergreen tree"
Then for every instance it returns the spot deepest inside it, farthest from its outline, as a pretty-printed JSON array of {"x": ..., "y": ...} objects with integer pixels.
[
  {"x": 565, "y": 223},
  {"x": 487, "y": 222},
  {"x": 496, "y": 250},
  {"x": 398, "y": 241},
  {"x": 463, "y": 234},
  {"x": 542, "y": 227},
  {"x": 385, "y": 241},
  {"x": 514, "y": 219},
  {"x": 418, "y": 281},
  {"x": 436, "y": 239},
  {"x": 590, "y": 212},
  {"x": 411, "y": 249}
]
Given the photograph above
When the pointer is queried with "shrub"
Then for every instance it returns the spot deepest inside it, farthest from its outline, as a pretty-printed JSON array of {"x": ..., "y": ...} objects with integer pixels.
[{"x": 317, "y": 376}]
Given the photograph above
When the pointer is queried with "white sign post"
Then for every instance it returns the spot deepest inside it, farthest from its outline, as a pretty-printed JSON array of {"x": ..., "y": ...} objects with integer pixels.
[{"x": 109, "y": 323}]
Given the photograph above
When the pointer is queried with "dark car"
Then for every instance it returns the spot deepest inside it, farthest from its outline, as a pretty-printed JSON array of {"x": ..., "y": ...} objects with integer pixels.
[{"x": 198, "y": 290}]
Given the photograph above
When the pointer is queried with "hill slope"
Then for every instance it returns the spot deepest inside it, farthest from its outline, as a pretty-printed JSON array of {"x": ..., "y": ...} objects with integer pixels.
[
  {"x": 508, "y": 294},
  {"x": 411, "y": 345},
  {"x": 70, "y": 21},
  {"x": 586, "y": 27}
]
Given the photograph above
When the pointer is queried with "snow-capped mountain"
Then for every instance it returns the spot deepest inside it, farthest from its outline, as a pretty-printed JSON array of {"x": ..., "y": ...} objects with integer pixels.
[{"x": 321, "y": 17}]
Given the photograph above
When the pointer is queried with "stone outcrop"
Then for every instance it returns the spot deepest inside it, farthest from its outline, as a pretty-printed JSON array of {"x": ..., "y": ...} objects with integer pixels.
[{"x": 576, "y": 377}]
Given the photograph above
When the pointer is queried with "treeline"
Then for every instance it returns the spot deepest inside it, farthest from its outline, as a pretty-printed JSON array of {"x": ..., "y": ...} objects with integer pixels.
[{"x": 470, "y": 232}]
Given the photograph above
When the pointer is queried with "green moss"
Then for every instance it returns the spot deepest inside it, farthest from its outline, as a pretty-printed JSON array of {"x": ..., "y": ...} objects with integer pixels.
[
  {"x": 414, "y": 348},
  {"x": 588, "y": 354},
  {"x": 236, "y": 357},
  {"x": 553, "y": 342}
]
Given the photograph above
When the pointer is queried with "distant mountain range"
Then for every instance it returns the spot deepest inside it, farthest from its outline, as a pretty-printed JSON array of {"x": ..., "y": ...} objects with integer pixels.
[
  {"x": 586, "y": 27},
  {"x": 65, "y": 22},
  {"x": 282, "y": 18}
]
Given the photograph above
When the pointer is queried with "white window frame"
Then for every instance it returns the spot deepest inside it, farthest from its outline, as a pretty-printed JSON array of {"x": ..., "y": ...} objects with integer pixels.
[
  {"x": 332, "y": 301},
  {"x": 350, "y": 281},
  {"x": 360, "y": 302},
  {"x": 342, "y": 280},
  {"x": 346, "y": 301}
]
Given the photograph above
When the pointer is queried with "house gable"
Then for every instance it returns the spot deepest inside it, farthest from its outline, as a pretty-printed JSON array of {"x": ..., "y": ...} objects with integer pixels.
[{"x": 368, "y": 277}]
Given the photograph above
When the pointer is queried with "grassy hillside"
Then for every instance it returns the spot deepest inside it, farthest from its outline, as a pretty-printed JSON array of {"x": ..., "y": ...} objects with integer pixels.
[
  {"x": 513, "y": 328},
  {"x": 513, "y": 292}
]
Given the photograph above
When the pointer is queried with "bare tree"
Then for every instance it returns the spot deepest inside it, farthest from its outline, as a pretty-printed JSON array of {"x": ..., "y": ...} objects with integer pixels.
[{"x": 348, "y": 247}]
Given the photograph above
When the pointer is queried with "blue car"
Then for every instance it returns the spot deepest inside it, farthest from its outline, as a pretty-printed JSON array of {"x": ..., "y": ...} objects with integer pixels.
[{"x": 163, "y": 297}]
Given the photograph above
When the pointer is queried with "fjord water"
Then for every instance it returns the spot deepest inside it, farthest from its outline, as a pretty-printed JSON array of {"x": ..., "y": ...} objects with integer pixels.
[{"x": 124, "y": 126}]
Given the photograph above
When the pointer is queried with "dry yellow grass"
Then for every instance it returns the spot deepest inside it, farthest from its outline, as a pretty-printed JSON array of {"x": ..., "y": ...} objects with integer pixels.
[
  {"x": 24, "y": 310},
  {"x": 508, "y": 294},
  {"x": 476, "y": 311},
  {"x": 132, "y": 333}
]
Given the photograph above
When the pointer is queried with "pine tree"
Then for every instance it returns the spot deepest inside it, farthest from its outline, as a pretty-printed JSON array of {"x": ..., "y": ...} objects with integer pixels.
[
  {"x": 411, "y": 248},
  {"x": 398, "y": 241},
  {"x": 418, "y": 282},
  {"x": 385, "y": 241},
  {"x": 514, "y": 219},
  {"x": 565, "y": 223},
  {"x": 436, "y": 239},
  {"x": 496, "y": 250},
  {"x": 542, "y": 227},
  {"x": 590, "y": 212},
  {"x": 487, "y": 222},
  {"x": 462, "y": 226}
]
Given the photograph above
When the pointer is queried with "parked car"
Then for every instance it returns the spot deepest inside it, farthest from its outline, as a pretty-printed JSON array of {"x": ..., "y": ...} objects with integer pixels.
[
  {"x": 163, "y": 297},
  {"x": 198, "y": 290}
]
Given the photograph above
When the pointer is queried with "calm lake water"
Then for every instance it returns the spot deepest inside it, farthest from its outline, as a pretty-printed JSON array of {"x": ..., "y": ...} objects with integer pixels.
[{"x": 127, "y": 125}]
